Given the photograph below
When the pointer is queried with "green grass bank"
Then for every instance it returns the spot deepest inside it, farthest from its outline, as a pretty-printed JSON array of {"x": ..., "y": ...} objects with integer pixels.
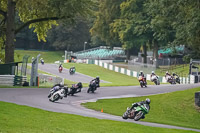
[
  {"x": 176, "y": 108},
  {"x": 23, "y": 119}
]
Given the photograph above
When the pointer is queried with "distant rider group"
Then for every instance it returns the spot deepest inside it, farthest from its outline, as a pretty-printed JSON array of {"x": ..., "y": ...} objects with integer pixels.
[{"x": 172, "y": 79}]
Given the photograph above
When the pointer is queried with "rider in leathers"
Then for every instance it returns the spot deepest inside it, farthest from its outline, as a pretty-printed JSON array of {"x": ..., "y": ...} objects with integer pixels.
[{"x": 147, "y": 101}]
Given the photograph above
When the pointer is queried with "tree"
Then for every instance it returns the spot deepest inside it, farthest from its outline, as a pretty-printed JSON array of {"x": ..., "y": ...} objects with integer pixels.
[
  {"x": 108, "y": 11},
  {"x": 132, "y": 26},
  {"x": 176, "y": 22},
  {"x": 37, "y": 14},
  {"x": 70, "y": 38}
]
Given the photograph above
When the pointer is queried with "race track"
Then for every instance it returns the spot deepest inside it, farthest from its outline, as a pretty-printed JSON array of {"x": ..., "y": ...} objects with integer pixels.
[
  {"x": 77, "y": 77},
  {"x": 37, "y": 97}
]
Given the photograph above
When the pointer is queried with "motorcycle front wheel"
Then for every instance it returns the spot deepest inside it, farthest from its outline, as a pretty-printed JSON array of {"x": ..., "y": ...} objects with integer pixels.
[
  {"x": 56, "y": 97},
  {"x": 88, "y": 90},
  {"x": 141, "y": 84},
  {"x": 138, "y": 116}
]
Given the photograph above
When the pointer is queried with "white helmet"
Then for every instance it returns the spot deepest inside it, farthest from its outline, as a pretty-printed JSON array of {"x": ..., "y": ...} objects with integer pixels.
[
  {"x": 148, "y": 101},
  {"x": 152, "y": 72}
]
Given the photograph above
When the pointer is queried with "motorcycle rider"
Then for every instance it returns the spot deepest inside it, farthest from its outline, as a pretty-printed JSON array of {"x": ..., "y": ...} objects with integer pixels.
[
  {"x": 55, "y": 88},
  {"x": 97, "y": 81},
  {"x": 147, "y": 101},
  {"x": 72, "y": 69},
  {"x": 142, "y": 74},
  {"x": 60, "y": 66},
  {"x": 42, "y": 61},
  {"x": 77, "y": 86},
  {"x": 173, "y": 74},
  {"x": 167, "y": 75},
  {"x": 153, "y": 74}
]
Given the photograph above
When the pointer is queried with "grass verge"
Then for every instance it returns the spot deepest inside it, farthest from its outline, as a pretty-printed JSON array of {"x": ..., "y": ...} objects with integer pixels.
[
  {"x": 176, "y": 108},
  {"x": 48, "y": 56},
  {"x": 23, "y": 119},
  {"x": 115, "y": 78}
]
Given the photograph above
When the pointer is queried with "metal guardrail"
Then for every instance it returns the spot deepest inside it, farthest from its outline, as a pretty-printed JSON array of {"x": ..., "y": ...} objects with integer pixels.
[
  {"x": 12, "y": 80},
  {"x": 19, "y": 80},
  {"x": 7, "y": 80}
]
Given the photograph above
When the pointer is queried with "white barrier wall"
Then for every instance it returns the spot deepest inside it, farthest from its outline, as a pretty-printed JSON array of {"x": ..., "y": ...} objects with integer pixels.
[
  {"x": 110, "y": 67},
  {"x": 96, "y": 62},
  {"x": 128, "y": 72},
  {"x": 164, "y": 80},
  {"x": 100, "y": 63},
  {"x": 148, "y": 77},
  {"x": 134, "y": 74},
  {"x": 116, "y": 69},
  {"x": 105, "y": 65},
  {"x": 122, "y": 71},
  {"x": 183, "y": 80},
  {"x": 192, "y": 79}
]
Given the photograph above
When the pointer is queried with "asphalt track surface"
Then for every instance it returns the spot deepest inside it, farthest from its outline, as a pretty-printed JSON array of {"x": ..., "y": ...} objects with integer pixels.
[
  {"x": 77, "y": 77},
  {"x": 37, "y": 97}
]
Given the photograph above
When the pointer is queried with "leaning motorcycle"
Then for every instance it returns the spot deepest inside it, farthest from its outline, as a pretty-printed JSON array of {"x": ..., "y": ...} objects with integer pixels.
[
  {"x": 171, "y": 80},
  {"x": 92, "y": 87},
  {"x": 59, "y": 94},
  {"x": 142, "y": 81},
  {"x": 155, "y": 79},
  {"x": 71, "y": 71},
  {"x": 177, "y": 79},
  {"x": 73, "y": 91},
  {"x": 60, "y": 69},
  {"x": 57, "y": 88},
  {"x": 136, "y": 113}
]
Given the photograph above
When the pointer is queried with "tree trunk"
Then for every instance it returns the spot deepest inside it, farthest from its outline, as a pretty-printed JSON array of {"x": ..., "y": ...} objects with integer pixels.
[
  {"x": 145, "y": 53},
  {"x": 128, "y": 54},
  {"x": 10, "y": 32},
  {"x": 155, "y": 53}
]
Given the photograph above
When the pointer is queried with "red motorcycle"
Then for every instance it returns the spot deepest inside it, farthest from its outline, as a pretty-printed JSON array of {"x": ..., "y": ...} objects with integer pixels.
[
  {"x": 60, "y": 69},
  {"x": 142, "y": 81}
]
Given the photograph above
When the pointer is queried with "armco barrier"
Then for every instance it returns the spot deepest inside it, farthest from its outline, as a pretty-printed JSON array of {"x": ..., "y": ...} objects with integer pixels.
[
  {"x": 184, "y": 80},
  {"x": 7, "y": 80}
]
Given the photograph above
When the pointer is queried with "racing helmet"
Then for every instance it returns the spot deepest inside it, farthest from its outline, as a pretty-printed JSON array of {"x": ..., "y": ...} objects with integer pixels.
[
  {"x": 79, "y": 85},
  {"x": 152, "y": 72},
  {"x": 148, "y": 101},
  {"x": 141, "y": 72},
  {"x": 61, "y": 84},
  {"x": 97, "y": 77},
  {"x": 167, "y": 72}
]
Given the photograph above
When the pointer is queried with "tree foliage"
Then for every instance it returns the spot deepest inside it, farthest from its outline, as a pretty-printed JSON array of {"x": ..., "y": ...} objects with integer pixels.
[
  {"x": 40, "y": 15},
  {"x": 157, "y": 22},
  {"x": 108, "y": 11}
]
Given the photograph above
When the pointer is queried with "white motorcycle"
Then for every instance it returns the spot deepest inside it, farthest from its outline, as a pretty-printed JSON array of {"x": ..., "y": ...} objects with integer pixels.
[
  {"x": 155, "y": 79},
  {"x": 59, "y": 94}
]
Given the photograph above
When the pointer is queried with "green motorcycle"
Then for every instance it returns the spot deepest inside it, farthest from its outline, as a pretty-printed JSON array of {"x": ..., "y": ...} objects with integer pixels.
[{"x": 136, "y": 113}]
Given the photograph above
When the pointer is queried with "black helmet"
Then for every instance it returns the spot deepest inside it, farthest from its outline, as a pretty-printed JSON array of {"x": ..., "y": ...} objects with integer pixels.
[
  {"x": 79, "y": 85},
  {"x": 97, "y": 77},
  {"x": 148, "y": 101}
]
